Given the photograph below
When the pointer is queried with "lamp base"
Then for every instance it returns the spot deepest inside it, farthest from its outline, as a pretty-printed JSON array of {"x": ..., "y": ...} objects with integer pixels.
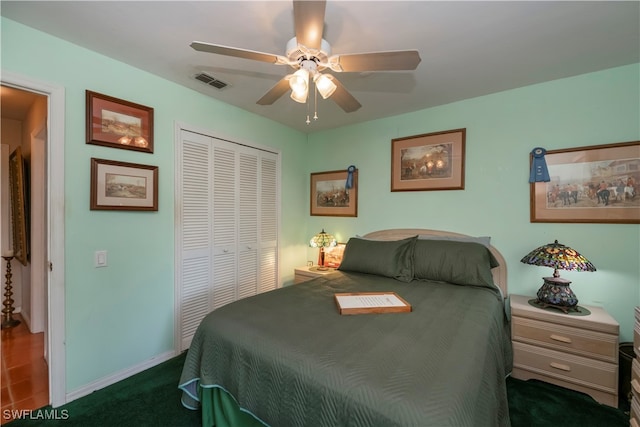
[{"x": 555, "y": 292}]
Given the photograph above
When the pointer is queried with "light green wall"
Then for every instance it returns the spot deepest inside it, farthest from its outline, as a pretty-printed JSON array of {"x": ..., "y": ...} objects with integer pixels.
[
  {"x": 122, "y": 315},
  {"x": 502, "y": 129}
]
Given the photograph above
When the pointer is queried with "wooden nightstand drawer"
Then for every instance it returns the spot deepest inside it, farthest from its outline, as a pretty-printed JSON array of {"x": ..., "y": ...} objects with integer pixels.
[
  {"x": 570, "y": 368},
  {"x": 579, "y": 352},
  {"x": 582, "y": 342}
]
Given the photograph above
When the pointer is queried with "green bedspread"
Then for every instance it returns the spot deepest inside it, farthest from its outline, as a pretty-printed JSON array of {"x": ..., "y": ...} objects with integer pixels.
[{"x": 290, "y": 359}]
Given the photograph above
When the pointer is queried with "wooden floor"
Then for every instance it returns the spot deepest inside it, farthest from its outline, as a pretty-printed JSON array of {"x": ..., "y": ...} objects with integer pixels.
[{"x": 25, "y": 379}]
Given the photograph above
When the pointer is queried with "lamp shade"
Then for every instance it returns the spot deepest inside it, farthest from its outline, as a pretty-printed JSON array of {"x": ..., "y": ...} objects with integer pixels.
[
  {"x": 558, "y": 257},
  {"x": 322, "y": 240},
  {"x": 325, "y": 85},
  {"x": 299, "y": 83},
  {"x": 555, "y": 291}
]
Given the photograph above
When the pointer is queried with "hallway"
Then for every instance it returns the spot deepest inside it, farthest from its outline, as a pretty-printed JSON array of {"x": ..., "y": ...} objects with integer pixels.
[{"x": 25, "y": 380}]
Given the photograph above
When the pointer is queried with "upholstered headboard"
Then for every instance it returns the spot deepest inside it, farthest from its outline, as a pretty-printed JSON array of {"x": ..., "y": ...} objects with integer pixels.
[{"x": 499, "y": 273}]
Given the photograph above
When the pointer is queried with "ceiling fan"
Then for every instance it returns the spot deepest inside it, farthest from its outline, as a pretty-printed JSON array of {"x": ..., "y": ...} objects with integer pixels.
[{"x": 309, "y": 54}]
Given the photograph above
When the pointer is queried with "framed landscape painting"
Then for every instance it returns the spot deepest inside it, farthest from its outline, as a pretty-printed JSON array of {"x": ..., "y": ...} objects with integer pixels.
[
  {"x": 330, "y": 195},
  {"x": 594, "y": 184},
  {"x": 123, "y": 186},
  {"x": 432, "y": 161}
]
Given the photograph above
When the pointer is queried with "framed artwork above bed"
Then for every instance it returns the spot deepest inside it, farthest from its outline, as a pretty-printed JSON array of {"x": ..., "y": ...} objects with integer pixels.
[
  {"x": 427, "y": 162},
  {"x": 330, "y": 195}
]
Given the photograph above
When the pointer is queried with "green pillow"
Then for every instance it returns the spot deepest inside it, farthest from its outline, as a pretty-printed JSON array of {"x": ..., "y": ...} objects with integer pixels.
[
  {"x": 462, "y": 263},
  {"x": 389, "y": 258}
]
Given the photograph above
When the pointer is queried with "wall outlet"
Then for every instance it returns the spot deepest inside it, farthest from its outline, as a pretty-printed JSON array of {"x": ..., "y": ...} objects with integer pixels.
[{"x": 100, "y": 259}]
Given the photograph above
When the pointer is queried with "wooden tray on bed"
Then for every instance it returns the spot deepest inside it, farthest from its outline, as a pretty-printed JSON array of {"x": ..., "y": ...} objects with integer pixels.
[{"x": 371, "y": 302}]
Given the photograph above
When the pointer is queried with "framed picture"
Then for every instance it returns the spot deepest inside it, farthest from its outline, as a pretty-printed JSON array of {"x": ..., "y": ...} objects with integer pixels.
[
  {"x": 330, "y": 195},
  {"x": 116, "y": 123},
  {"x": 333, "y": 255},
  {"x": 432, "y": 161},
  {"x": 596, "y": 184},
  {"x": 123, "y": 186},
  {"x": 18, "y": 184}
]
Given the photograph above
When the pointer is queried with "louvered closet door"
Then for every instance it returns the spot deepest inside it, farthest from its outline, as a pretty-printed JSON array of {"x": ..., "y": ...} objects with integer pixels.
[
  {"x": 248, "y": 223},
  {"x": 227, "y": 226},
  {"x": 195, "y": 233},
  {"x": 268, "y": 225}
]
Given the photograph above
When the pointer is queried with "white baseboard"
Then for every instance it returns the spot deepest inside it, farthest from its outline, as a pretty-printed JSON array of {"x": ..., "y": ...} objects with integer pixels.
[{"x": 119, "y": 376}]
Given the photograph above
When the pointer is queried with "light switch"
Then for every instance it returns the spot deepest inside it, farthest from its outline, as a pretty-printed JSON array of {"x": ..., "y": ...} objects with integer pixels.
[{"x": 100, "y": 259}]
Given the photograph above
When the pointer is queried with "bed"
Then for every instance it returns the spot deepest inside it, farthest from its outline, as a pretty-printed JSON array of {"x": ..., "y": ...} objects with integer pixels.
[{"x": 288, "y": 358}]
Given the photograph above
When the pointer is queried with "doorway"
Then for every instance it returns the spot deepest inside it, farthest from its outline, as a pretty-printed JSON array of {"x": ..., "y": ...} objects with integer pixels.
[
  {"x": 48, "y": 137},
  {"x": 24, "y": 368}
]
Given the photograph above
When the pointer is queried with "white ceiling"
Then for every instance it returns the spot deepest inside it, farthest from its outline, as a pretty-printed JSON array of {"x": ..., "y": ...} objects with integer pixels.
[{"x": 468, "y": 49}]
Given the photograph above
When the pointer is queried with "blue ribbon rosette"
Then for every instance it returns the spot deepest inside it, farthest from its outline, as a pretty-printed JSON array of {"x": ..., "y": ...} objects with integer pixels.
[
  {"x": 539, "y": 171},
  {"x": 350, "y": 170}
]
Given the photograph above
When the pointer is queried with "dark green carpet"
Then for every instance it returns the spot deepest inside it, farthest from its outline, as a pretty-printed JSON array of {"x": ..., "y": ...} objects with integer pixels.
[{"x": 151, "y": 398}]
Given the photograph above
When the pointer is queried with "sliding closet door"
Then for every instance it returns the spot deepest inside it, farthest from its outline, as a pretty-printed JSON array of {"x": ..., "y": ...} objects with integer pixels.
[{"x": 236, "y": 224}]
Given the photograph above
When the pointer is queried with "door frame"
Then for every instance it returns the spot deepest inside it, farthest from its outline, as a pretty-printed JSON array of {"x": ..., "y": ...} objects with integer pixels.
[{"x": 55, "y": 228}]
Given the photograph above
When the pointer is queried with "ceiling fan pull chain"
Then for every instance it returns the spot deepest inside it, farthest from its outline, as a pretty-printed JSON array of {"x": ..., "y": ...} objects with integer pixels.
[
  {"x": 315, "y": 102},
  {"x": 308, "y": 121}
]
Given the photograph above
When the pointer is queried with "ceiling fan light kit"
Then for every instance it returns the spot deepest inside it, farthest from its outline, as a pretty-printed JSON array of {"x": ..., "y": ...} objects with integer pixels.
[
  {"x": 299, "y": 83},
  {"x": 309, "y": 54},
  {"x": 325, "y": 85}
]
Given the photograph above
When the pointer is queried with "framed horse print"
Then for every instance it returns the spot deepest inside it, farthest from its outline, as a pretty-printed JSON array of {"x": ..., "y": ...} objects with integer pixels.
[
  {"x": 428, "y": 162},
  {"x": 594, "y": 184},
  {"x": 331, "y": 196}
]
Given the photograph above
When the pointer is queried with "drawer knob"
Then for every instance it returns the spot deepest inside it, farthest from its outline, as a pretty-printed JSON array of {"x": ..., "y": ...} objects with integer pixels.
[
  {"x": 636, "y": 385},
  {"x": 560, "y": 338},
  {"x": 560, "y": 366}
]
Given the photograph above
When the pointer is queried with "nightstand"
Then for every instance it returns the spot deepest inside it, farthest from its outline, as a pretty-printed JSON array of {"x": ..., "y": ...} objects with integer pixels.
[
  {"x": 579, "y": 352},
  {"x": 302, "y": 274}
]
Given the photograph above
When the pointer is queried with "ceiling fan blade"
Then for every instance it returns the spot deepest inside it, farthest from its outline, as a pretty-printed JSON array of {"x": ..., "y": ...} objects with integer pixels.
[
  {"x": 376, "y": 61},
  {"x": 308, "y": 19},
  {"x": 343, "y": 98},
  {"x": 275, "y": 92},
  {"x": 238, "y": 53}
]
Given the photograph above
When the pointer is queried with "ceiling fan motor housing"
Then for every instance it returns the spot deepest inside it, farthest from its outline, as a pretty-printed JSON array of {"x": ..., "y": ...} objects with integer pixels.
[{"x": 300, "y": 54}]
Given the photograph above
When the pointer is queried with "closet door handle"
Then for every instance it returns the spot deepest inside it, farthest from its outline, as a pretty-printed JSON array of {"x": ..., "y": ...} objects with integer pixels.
[
  {"x": 560, "y": 366},
  {"x": 560, "y": 338}
]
